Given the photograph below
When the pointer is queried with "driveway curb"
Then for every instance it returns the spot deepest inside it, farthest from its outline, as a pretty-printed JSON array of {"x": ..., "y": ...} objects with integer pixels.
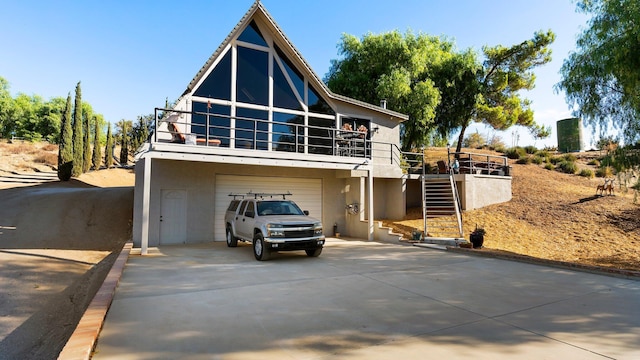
[{"x": 83, "y": 339}]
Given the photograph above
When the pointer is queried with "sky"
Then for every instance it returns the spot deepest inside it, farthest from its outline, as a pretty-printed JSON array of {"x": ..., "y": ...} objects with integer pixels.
[{"x": 131, "y": 55}]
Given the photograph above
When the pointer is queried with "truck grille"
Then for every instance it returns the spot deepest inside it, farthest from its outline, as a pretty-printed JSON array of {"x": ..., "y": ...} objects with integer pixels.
[{"x": 295, "y": 234}]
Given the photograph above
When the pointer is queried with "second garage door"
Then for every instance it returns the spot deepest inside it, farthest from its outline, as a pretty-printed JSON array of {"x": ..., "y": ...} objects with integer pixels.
[{"x": 307, "y": 193}]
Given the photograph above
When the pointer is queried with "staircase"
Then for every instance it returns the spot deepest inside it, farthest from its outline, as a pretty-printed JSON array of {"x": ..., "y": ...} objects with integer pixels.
[{"x": 441, "y": 210}]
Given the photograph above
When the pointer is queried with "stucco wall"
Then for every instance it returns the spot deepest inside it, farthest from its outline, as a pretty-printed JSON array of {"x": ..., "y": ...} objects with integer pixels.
[
  {"x": 198, "y": 179},
  {"x": 477, "y": 191}
]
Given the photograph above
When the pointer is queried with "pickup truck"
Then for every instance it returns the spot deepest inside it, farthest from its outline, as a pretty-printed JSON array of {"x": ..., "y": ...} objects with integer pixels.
[{"x": 272, "y": 225}]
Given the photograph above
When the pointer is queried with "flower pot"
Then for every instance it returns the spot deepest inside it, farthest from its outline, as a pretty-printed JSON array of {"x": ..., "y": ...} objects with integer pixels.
[{"x": 476, "y": 240}]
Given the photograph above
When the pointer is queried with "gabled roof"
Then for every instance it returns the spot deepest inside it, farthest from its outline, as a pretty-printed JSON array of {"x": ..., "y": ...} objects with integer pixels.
[{"x": 258, "y": 10}]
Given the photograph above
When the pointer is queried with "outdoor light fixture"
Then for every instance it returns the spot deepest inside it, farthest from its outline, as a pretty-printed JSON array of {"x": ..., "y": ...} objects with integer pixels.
[{"x": 375, "y": 129}]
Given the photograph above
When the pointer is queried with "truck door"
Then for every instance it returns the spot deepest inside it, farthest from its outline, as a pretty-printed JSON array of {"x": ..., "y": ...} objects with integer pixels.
[{"x": 244, "y": 223}]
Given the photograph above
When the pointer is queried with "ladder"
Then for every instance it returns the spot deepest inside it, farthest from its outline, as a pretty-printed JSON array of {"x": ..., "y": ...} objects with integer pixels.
[{"x": 441, "y": 208}]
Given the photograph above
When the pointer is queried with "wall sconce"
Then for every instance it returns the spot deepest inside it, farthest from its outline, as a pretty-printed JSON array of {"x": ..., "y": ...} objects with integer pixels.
[{"x": 375, "y": 129}]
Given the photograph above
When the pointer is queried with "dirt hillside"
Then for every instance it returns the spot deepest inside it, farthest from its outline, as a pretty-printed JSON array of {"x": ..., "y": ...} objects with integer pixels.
[{"x": 555, "y": 216}]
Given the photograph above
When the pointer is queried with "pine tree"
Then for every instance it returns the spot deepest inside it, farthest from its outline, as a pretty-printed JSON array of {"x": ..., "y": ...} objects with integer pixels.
[
  {"x": 96, "y": 159},
  {"x": 78, "y": 147},
  {"x": 86, "y": 158},
  {"x": 65, "y": 150},
  {"x": 108, "y": 150}
]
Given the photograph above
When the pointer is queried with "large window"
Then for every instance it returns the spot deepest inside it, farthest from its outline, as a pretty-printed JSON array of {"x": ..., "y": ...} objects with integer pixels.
[
  {"x": 211, "y": 118},
  {"x": 252, "y": 129},
  {"x": 253, "y": 76},
  {"x": 285, "y": 128}
]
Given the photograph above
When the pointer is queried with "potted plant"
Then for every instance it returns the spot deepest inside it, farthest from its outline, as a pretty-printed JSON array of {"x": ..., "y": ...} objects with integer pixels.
[{"x": 477, "y": 237}]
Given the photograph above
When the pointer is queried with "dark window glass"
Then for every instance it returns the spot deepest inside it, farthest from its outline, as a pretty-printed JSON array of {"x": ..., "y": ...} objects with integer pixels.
[
  {"x": 252, "y": 129},
  {"x": 252, "y": 35},
  {"x": 283, "y": 96},
  {"x": 242, "y": 207},
  {"x": 218, "y": 84},
  {"x": 250, "y": 209},
  {"x": 294, "y": 74},
  {"x": 204, "y": 115},
  {"x": 320, "y": 136},
  {"x": 284, "y": 130},
  {"x": 253, "y": 76},
  {"x": 317, "y": 104}
]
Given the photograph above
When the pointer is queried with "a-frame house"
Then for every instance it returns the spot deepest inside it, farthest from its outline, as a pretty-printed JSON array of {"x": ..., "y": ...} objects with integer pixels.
[{"x": 257, "y": 118}]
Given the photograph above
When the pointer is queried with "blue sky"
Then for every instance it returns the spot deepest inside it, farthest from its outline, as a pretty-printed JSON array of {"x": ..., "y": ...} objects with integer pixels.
[{"x": 131, "y": 55}]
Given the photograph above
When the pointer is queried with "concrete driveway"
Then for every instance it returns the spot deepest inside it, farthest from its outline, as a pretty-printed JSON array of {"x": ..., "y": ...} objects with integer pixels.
[{"x": 364, "y": 300}]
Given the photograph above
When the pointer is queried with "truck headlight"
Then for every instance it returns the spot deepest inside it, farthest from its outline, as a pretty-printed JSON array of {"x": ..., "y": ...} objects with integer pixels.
[
  {"x": 317, "y": 229},
  {"x": 275, "y": 230}
]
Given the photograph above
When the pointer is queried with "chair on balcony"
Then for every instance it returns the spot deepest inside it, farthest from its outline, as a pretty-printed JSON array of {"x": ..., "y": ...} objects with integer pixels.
[{"x": 443, "y": 168}]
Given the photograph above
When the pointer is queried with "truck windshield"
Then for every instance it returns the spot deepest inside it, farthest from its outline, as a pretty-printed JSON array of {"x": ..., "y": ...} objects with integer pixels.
[{"x": 278, "y": 208}]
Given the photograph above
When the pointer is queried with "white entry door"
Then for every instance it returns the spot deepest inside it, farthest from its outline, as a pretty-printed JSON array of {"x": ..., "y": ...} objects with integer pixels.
[{"x": 173, "y": 217}]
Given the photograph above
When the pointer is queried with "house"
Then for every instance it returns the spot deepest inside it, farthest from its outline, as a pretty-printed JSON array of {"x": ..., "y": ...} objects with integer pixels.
[{"x": 257, "y": 118}]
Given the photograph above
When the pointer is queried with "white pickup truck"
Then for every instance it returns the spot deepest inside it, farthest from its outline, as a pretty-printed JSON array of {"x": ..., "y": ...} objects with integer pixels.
[{"x": 272, "y": 225}]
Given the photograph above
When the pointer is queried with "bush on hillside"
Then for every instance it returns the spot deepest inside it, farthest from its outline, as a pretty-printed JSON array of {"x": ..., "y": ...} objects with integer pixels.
[
  {"x": 604, "y": 172},
  {"x": 594, "y": 162},
  {"x": 530, "y": 149},
  {"x": 588, "y": 173},
  {"x": 538, "y": 160},
  {"x": 567, "y": 167},
  {"x": 515, "y": 153},
  {"x": 524, "y": 160},
  {"x": 570, "y": 157},
  {"x": 549, "y": 166}
]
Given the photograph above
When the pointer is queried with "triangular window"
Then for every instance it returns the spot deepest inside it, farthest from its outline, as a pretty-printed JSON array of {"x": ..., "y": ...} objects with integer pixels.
[
  {"x": 294, "y": 74},
  {"x": 317, "y": 104},
  {"x": 283, "y": 95},
  {"x": 218, "y": 84},
  {"x": 252, "y": 35}
]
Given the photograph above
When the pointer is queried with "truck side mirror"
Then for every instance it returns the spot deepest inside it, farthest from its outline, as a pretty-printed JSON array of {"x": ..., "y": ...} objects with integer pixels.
[{"x": 306, "y": 212}]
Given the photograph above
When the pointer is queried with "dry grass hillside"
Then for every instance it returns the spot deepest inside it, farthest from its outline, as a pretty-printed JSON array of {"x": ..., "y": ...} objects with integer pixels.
[{"x": 555, "y": 216}]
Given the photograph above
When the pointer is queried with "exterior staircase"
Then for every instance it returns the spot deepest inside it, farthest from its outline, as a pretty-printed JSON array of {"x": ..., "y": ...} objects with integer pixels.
[{"x": 441, "y": 210}]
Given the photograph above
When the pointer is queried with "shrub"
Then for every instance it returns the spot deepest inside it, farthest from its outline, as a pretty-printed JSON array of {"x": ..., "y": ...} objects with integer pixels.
[
  {"x": 499, "y": 148},
  {"x": 524, "y": 160},
  {"x": 555, "y": 160},
  {"x": 594, "y": 162},
  {"x": 542, "y": 153},
  {"x": 604, "y": 171},
  {"x": 568, "y": 167},
  {"x": 570, "y": 157},
  {"x": 538, "y": 160},
  {"x": 549, "y": 166},
  {"x": 530, "y": 149},
  {"x": 588, "y": 173},
  {"x": 47, "y": 159},
  {"x": 515, "y": 153}
]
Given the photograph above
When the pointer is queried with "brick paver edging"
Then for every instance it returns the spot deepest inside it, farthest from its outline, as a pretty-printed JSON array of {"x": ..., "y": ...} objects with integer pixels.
[{"x": 84, "y": 338}]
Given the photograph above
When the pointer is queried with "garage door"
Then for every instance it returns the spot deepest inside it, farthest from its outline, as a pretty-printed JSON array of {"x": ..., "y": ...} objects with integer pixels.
[{"x": 307, "y": 193}]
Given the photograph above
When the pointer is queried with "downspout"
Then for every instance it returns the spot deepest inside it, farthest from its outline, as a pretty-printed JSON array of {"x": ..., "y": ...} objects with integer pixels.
[
  {"x": 370, "y": 207},
  {"x": 146, "y": 195}
]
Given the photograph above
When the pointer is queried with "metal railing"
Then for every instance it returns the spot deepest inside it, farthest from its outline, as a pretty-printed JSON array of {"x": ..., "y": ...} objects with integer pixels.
[
  {"x": 259, "y": 134},
  {"x": 474, "y": 163}
]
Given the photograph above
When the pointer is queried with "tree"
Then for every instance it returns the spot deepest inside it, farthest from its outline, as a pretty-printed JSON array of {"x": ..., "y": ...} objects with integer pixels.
[
  {"x": 601, "y": 78},
  {"x": 96, "y": 159},
  {"x": 505, "y": 72},
  {"x": 86, "y": 157},
  {"x": 394, "y": 67},
  {"x": 439, "y": 88},
  {"x": 6, "y": 109},
  {"x": 65, "y": 150},
  {"x": 124, "y": 137},
  {"x": 474, "y": 141},
  {"x": 78, "y": 147},
  {"x": 108, "y": 149},
  {"x": 140, "y": 131}
]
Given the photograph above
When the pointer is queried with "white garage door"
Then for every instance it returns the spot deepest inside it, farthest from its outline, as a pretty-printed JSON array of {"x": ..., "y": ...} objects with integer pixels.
[{"x": 307, "y": 193}]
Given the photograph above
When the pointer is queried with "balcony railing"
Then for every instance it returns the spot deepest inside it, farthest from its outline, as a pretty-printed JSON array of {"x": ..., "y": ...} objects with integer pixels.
[{"x": 244, "y": 133}]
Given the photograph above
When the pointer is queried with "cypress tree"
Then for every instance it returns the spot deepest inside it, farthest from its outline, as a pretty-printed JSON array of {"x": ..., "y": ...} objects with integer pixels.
[
  {"x": 108, "y": 150},
  {"x": 78, "y": 147},
  {"x": 96, "y": 159},
  {"x": 124, "y": 149},
  {"x": 65, "y": 149},
  {"x": 86, "y": 143}
]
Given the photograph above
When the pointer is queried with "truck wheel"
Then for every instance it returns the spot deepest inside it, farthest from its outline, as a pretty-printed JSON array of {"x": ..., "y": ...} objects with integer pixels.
[
  {"x": 260, "y": 251},
  {"x": 232, "y": 241},
  {"x": 314, "y": 253}
]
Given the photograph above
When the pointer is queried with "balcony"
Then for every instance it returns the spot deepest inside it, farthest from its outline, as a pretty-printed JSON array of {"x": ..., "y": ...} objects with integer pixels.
[{"x": 246, "y": 140}]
